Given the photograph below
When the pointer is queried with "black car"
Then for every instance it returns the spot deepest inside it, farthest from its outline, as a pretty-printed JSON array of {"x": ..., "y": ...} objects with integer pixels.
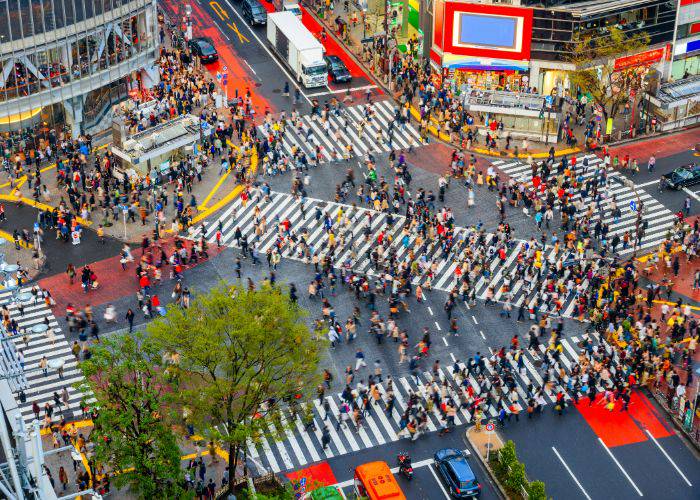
[
  {"x": 254, "y": 12},
  {"x": 337, "y": 69},
  {"x": 682, "y": 177},
  {"x": 456, "y": 473},
  {"x": 204, "y": 49}
]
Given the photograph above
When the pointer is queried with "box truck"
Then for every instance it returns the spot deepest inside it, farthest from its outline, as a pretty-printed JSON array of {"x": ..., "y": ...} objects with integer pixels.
[{"x": 297, "y": 48}]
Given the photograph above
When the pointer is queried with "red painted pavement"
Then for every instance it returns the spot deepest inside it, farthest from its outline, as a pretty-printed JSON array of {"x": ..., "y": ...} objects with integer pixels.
[
  {"x": 661, "y": 147},
  {"x": 618, "y": 428},
  {"x": 113, "y": 282},
  {"x": 317, "y": 476},
  {"x": 239, "y": 76}
]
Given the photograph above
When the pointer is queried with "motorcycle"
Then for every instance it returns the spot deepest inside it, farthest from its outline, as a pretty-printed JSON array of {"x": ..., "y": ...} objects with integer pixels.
[{"x": 405, "y": 467}]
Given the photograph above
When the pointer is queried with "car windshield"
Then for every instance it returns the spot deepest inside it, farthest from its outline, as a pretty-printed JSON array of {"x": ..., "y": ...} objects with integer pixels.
[
  {"x": 257, "y": 9},
  {"x": 683, "y": 174},
  {"x": 206, "y": 48},
  {"x": 315, "y": 70}
]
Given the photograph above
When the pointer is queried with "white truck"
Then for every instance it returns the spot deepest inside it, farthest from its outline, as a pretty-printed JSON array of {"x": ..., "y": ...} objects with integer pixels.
[
  {"x": 287, "y": 5},
  {"x": 297, "y": 48}
]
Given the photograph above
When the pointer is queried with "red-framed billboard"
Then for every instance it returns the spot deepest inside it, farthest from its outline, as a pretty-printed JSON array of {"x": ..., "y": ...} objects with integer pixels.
[{"x": 483, "y": 31}]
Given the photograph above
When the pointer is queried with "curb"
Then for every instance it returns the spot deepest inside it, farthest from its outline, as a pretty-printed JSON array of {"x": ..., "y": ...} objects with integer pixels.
[
  {"x": 659, "y": 135},
  {"x": 492, "y": 475}
]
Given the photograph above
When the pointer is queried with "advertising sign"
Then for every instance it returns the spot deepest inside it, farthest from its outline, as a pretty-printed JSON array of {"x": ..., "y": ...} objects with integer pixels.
[
  {"x": 642, "y": 59},
  {"x": 486, "y": 31}
]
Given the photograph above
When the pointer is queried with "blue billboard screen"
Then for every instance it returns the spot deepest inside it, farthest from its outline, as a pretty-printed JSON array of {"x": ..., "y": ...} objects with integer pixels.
[{"x": 491, "y": 31}]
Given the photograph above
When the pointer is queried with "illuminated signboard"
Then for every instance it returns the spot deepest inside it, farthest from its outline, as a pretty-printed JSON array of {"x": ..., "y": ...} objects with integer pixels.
[{"x": 486, "y": 31}]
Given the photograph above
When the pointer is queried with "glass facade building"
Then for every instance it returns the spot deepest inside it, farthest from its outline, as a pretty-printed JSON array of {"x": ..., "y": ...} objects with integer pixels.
[{"x": 63, "y": 63}]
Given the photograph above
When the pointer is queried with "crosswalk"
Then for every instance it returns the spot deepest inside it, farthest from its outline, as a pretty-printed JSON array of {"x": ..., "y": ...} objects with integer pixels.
[
  {"x": 373, "y": 137},
  {"x": 40, "y": 387},
  {"x": 497, "y": 274},
  {"x": 298, "y": 444},
  {"x": 659, "y": 218}
]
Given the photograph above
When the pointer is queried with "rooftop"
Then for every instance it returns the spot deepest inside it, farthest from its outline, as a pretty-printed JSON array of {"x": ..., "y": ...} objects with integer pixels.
[
  {"x": 680, "y": 90},
  {"x": 593, "y": 7}
]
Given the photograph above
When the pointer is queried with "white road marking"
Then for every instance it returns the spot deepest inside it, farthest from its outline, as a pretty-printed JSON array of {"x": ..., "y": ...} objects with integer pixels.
[
  {"x": 624, "y": 472},
  {"x": 645, "y": 184},
  {"x": 274, "y": 58},
  {"x": 690, "y": 193},
  {"x": 445, "y": 341},
  {"x": 453, "y": 357},
  {"x": 482, "y": 335},
  {"x": 475, "y": 321},
  {"x": 578, "y": 483},
  {"x": 394, "y": 470},
  {"x": 340, "y": 91},
  {"x": 251, "y": 68},
  {"x": 437, "y": 325},
  {"x": 669, "y": 459},
  {"x": 430, "y": 310},
  {"x": 437, "y": 480}
]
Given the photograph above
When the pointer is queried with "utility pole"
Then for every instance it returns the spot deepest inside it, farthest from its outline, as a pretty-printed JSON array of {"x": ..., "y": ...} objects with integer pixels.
[{"x": 386, "y": 33}]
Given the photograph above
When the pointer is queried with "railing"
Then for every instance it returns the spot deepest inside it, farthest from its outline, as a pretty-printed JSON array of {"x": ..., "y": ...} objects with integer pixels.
[{"x": 664, "y": 395}]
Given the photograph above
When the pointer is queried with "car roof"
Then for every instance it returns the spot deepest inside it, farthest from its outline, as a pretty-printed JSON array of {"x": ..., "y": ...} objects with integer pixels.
[
  {"x": 461, "y": 468},
  {"x": 334, "y": 58},
  {"x": 203, "y": 39}
]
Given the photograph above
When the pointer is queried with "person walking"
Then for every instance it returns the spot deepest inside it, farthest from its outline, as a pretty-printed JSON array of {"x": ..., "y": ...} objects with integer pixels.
[{"x": 130, "y": 318}]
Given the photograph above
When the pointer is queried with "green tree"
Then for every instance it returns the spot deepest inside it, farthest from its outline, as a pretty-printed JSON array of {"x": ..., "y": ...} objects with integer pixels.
[
  {"x": 130, "y": 436},
  {"x": 595, "y": 74},
  {"x": 240, "y": 354},
  {"x": 536, "y": 491}
]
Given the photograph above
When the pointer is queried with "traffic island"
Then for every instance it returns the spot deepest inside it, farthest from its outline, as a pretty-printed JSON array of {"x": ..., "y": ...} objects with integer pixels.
[{"x": 501, "y": 462}]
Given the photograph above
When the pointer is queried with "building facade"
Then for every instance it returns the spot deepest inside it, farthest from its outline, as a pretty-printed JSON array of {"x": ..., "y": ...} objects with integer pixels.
[
  {"x": 516, "y": 44},
  {"x": 64, "y": 63}
]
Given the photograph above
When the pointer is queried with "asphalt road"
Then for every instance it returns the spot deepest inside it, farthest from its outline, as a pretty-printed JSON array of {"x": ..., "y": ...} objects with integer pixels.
[
  {"x": 426, "y": 482},
  {"x": 573, "y": 462},
  {"x": 649, "y": 181}
]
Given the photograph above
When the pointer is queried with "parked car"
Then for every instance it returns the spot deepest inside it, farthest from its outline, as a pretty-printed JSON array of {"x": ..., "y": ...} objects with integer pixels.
[
  {"x": 203, "y": 48},
  {"x": 456, "y": 473},
  {"x": 254, "y": 12},
  {"x": 681, "y": 177},
  {"x": 337, "y": 69}
]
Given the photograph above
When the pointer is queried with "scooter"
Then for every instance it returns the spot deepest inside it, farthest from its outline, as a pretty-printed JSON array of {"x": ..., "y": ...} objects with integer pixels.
[{"x": 405, "y": 467}]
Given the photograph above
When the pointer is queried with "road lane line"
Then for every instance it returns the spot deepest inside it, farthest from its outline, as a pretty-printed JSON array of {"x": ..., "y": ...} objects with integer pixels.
[
  {"x": 620, "y": 467},
  {"x": 430, "y": 310},
  {"x": 691, "y": 193},
  {"x": 251, "y": 68},
  {"x": 454, "y": 360},
  {"x": 650, "y": 183},
  {"x": 445, "y": 341},
  {"x": 482, "y": 335},
  {"x": 669, "y": 459},
  {"x": 274, "y": 58},
  {"x": 475, "y": 321},
  {"x": 437, "y": 480},
  {"x": 437, "y": 325},
  {"x": 578, "y": 483}
]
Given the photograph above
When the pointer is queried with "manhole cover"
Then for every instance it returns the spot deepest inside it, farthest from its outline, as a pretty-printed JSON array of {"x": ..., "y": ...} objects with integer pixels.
[
  {"x": 275, "y": 91},
  {"x": 258, "y": 84}
]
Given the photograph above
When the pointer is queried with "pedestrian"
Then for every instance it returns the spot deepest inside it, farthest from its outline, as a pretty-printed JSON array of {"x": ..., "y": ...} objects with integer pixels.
[
  {"x": 130, "y": 319},
  {"x": 359, "y": 360}
]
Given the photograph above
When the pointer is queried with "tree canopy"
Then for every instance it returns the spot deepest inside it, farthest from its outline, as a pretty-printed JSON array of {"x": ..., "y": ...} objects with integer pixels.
[
  {"x": 595, "y": 73},
  {"x": 238, "y": 354},
  {"x": 130, "y": 434}
]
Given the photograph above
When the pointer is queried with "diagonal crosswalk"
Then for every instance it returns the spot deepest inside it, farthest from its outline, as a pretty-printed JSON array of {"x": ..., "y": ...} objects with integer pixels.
[
  {"x": 259, "y": 221},
  {"x": 300, "y": 442},
  {"x": 54, "y": 346},
  {"x": 367, "y": 130},
  {"x": 659, "y": 218}
]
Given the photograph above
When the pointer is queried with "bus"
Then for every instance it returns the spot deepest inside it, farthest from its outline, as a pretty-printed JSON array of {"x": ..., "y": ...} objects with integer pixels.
[{"x": 374, "y": 481}]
